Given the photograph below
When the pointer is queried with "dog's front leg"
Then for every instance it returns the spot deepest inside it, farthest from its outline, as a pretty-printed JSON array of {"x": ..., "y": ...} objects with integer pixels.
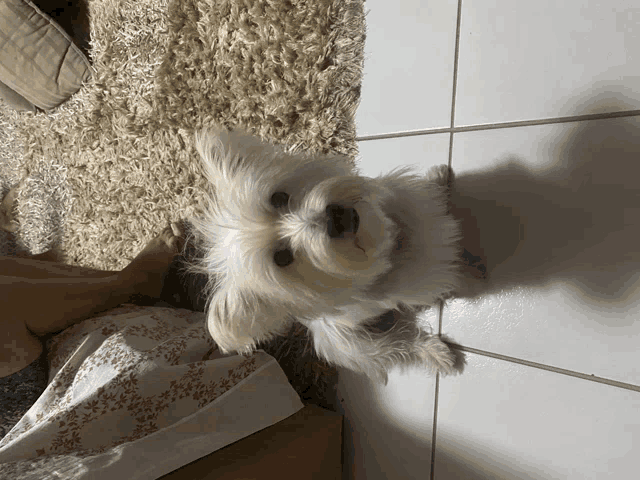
[{"x": 375, "y": 353}]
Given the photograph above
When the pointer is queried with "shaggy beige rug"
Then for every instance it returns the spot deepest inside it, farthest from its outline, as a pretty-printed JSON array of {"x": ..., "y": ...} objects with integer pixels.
[{"x": 109, "y": 169}]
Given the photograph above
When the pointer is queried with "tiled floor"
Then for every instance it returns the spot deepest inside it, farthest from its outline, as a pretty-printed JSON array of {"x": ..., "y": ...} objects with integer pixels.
[{"x": 537, "y": 107}]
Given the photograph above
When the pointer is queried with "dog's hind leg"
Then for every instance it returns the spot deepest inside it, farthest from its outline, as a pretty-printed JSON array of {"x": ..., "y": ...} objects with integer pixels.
[{"x": 441, "y": 175}]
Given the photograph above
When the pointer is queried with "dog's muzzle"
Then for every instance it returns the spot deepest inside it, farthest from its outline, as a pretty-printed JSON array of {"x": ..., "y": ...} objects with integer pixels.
[{"x": 341, "y": 220}]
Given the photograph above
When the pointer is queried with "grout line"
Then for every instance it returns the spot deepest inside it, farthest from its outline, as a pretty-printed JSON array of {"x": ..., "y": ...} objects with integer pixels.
[
  {"x": 435, "y": 428},
  {"x": 441, "y": 309},
  {"x": 455, "y": 82},
  {"x": 570, "y": 373},
  {"x": 455, "y": 66},
  {"x": 495, "y": 126},
  {"x": 450, "y": 157},
  {"x": 435, "y": 401}
]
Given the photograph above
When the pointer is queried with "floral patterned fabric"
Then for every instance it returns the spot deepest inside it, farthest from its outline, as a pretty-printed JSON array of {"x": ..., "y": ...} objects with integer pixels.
[{"x": 138, "y": 392}]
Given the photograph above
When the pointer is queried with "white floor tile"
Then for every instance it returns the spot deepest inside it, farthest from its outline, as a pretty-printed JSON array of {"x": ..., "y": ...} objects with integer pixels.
[
  {"x": 530, "y": 60},
  {"x": 377, "y": 157},
  {"x": 559, "y": 218},
  {"x": 388, "y": 429},
  {"x": 506, "y": 421},
  {"x": 408, "y": 70}
]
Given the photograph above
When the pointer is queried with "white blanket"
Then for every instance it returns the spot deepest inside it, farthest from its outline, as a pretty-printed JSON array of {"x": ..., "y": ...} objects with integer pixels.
[{"x": 138, "y": 392}]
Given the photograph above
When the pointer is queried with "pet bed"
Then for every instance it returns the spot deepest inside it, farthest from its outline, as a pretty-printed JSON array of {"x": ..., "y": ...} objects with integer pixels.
[{"x": 141, "y": 383}]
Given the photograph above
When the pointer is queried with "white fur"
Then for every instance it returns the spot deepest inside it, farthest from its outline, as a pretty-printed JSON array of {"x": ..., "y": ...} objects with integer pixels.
[{"x": 405, "y": 254}]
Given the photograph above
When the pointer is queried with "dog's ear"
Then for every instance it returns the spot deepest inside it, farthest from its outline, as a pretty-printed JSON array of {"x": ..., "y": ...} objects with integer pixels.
[
  {"x": 212, "y": 145},
  {"x": 229, "y": 151},
  {"x": 239, "y": 320}
]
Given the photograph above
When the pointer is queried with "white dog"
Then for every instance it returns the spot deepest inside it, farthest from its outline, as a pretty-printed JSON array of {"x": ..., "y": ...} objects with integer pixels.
[{"x": 295, "y": 237}]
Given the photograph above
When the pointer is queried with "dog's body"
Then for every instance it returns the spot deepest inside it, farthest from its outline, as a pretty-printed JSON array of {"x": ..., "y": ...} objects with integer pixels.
[{"x": 291, "y": 237}]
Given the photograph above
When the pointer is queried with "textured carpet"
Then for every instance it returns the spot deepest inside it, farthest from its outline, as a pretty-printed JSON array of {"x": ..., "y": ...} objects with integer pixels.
[{"x": 109, "y": 169}]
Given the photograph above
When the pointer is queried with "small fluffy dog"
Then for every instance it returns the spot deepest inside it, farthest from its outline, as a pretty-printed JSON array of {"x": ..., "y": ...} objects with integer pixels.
[{"x": 295, "y": 237}]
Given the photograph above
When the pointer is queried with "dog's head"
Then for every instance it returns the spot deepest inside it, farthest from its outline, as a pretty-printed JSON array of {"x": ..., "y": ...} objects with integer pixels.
[{"x": 284, "y": 235}]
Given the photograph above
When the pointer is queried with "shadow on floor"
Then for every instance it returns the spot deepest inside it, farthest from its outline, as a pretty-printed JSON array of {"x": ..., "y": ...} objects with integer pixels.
[{"x": 576, "y": 220}]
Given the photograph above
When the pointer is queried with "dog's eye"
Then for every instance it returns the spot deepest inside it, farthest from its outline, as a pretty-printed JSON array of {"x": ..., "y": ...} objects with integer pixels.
[
  {"x": 280, "y": 199},
  {"x": 283, "y": 258}
]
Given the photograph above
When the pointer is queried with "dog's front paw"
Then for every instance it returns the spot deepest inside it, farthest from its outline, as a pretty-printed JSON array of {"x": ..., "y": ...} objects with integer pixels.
[{"x": 440, "y": 357}]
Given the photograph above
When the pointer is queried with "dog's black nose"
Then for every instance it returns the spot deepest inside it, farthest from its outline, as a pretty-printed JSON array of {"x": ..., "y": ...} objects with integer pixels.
[{"x": 341, "y": 220}]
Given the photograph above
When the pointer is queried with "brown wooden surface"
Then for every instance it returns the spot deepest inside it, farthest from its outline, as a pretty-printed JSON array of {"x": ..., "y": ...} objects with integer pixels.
[{"x": 306, "y": 445}]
